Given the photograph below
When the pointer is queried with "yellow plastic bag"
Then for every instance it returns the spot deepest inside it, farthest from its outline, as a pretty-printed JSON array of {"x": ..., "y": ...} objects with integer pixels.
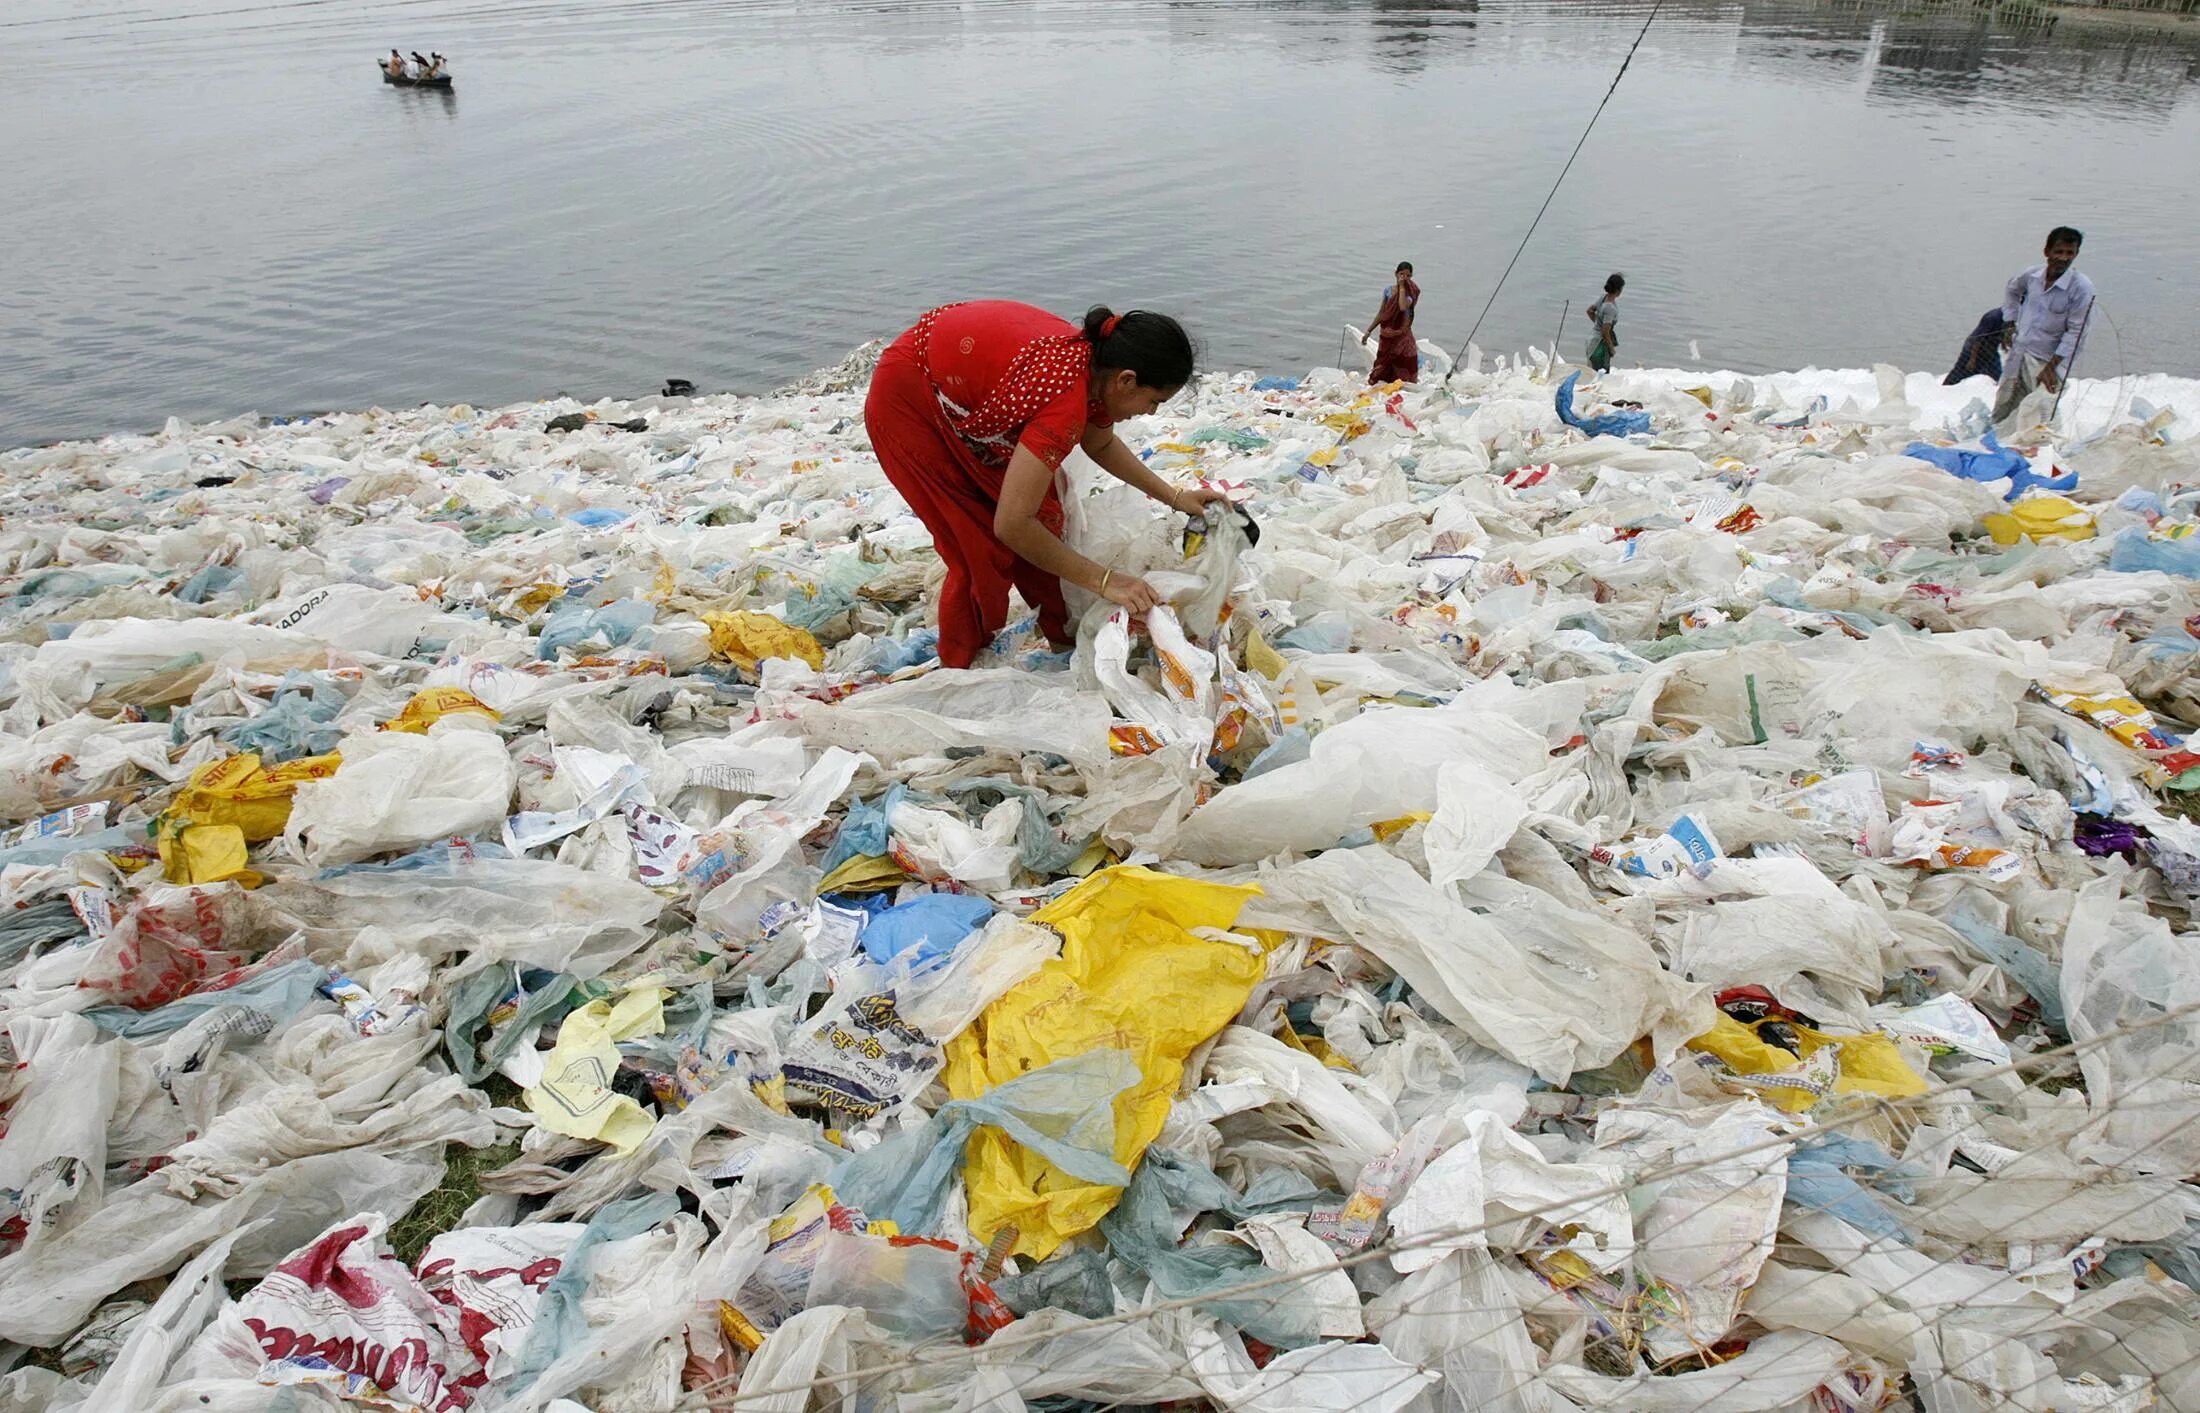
[
  {"x": 1131, "y": 977},
  {"x": 206, "y": 853},
  {"x": 1389, "y": 829},
  {"x": 2042, "y": 519},
  {"x": 433, "y": 704},
  {"x": 1264, "y": 659},
  {"x": 575, "y": 1097},
  {"x": 745, "y": 639},
  {"x": 239, "y": 790},
  {"x": 1866, "y": 1064},
  {"x": 229, "y": 804},
  {"x": 863, "y": 874}
]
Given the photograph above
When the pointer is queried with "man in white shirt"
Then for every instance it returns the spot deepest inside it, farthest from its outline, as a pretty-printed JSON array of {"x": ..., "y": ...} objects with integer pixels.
[{"x": 2046, "y": 309}]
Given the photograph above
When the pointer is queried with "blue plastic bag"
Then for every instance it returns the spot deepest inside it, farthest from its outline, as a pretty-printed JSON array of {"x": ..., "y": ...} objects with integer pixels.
[
  {"x": 2136, "y": 552},
  {"x": 1818, "y": 1180},
  {"x": 925, "y": 928},
  {"x": 863, "y": 832},
  {"x": 1990, "y": 464},
  {"x": 276, "y": 994},
  {"x": 1611, "y": 424},
  {"x": 301, "y": 722},
  {"x": 616, "y": 622},
  {"x": 1065, "y": 1112},
  {"x": 214, "y": 579}
]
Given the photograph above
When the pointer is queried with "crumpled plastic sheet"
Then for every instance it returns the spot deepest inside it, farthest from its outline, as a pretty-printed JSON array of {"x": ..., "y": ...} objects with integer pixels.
[{"x": 1684, "y": 901}]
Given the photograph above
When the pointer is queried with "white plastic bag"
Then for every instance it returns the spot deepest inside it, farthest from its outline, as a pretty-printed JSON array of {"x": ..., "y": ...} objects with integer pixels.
[
  {"x": 343, "y": 1308},
  {"x": 1365, "y": 1378},
  {"x": 145, "y": 1230},
  {"x": 1179, "y": 712},
  {"x": 1000, "y": 708},
  {"x": 386, "y": 622},
  {"x": 984, "y": 859},
  {"x": 1712, "y": 1214},
  {"x": 53, "y": 1154},
  {"x": 1495, "y": 1188},
  {"x": 159, "y": 1336},
  {"x": 1458, "y": 1319},
  {"x": 1574, "y": 1001},
  {"x": 1382, "y": 764},
  {"x": 1778, "y": 1370},
  {"x": 1477, "y": 811},
  {"x": 396, "y": 791}
]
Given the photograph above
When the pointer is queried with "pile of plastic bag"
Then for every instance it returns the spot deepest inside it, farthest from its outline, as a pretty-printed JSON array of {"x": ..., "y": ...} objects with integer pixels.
[{"x": 1662, "y": 893}]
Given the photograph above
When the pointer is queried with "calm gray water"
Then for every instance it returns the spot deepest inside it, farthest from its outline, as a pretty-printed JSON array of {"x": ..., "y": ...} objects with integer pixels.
[{"x": 213, "y": 206}]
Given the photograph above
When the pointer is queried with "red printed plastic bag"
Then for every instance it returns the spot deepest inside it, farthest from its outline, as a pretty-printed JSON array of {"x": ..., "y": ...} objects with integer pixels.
[
  {"x": 168, "y": 946},
  {"x": 492, "y": 1278},
  {"x": 345, "y": 1314}
]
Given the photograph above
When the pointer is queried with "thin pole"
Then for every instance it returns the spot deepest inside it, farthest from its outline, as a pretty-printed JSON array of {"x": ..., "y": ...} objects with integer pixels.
[
  {"x": 1561, "y": 179},
  {"x": 1563, "y": 311},
  {"x": 2064, "y": 382}
]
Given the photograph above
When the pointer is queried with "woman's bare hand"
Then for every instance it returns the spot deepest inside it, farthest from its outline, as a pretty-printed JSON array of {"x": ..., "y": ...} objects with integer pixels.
[{"x": 1131, "y": 592}]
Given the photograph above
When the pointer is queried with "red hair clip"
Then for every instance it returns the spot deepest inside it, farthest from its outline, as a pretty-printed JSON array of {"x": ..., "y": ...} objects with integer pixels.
[{"x": 1107, "y": 325}]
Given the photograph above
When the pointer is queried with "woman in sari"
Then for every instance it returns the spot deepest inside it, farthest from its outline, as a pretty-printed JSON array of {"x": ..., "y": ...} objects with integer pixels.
[
  {"x": 1397, "y": 356},
  {"x": 971, "y": 412}
]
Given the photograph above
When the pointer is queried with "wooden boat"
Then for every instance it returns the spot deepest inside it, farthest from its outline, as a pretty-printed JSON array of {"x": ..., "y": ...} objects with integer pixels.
[{"x": 407, "y": 81}]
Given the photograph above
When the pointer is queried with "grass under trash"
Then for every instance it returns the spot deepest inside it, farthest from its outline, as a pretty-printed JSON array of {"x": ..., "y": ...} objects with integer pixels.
[{"x": 441, "y": 1209}]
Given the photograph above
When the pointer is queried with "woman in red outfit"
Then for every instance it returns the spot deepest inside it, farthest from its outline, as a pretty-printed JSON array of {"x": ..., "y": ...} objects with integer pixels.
[
  {"x": 972, "y": 411},
  {"x": 1397, "y": 356}
]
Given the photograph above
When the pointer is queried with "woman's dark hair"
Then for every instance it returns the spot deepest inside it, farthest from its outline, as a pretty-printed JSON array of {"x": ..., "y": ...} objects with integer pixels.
[
  {"x": 1615, "y": 284},
  {"x": 1152, "y": 346}
]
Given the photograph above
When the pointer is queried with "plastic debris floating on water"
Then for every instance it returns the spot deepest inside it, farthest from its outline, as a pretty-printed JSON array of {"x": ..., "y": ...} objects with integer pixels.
[{"x": 1676, "y": 905}]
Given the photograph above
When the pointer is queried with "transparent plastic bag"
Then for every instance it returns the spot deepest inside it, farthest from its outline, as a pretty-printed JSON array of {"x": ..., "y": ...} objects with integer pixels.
[
  {"x": 2122, "y": 971},
  {"x": 911, "y": 1290}
]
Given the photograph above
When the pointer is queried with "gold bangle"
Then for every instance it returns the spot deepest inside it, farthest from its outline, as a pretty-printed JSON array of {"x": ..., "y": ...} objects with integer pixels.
[{"x": 1105, "y": 575}]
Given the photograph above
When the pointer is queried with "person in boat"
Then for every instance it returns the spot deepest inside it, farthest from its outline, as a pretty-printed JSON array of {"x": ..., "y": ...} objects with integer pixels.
[
  {"x": 394, "y": 66},
  {"x": 1397, "y": 356},
  {"x": 971, "y": 412},
  {"x": 435, "y": 65},
  {"x": 420, "y": 65}
]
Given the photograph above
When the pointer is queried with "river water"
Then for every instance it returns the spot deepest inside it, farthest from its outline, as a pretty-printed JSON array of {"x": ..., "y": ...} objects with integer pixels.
[{"x": 214, "y": 206}]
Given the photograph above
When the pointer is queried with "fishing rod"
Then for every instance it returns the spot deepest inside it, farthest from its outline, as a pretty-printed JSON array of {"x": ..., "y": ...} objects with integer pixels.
[{"x": 1460, "y": 360}]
